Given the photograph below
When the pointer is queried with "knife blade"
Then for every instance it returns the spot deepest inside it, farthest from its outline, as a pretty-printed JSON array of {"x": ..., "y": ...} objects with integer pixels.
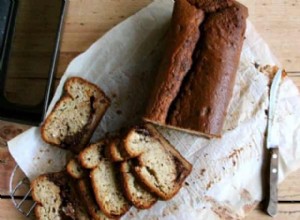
[{"x": 273, "y": 145}]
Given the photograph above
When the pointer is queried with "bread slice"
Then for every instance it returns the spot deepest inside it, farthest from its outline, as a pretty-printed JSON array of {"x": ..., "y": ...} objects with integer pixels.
[
  {"x": 159, "y": 166},
  {"x": 56, "y": 198},
  {"x": 114, "y": 151},
  {"x": 106, "y": 187},
  {"x": 86, "y": 194},
  {"x": 90, "y": 157},
  {"x": 74, "y": 169},
  {"x": 75, "y": 116},
  {"x": 134, "y": 191},
  {"x": 84, "y": 189}
]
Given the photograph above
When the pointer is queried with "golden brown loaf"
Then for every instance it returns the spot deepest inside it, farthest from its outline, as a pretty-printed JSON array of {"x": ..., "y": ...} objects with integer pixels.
[
  {"x": 197, "y": 101},
  {"x": 205, "y": 95}
]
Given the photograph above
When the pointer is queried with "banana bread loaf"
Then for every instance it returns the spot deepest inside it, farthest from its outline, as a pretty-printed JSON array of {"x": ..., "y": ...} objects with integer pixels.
[
  {"x": 200, "y": 105},
  {"x": 204, "y": 98}
]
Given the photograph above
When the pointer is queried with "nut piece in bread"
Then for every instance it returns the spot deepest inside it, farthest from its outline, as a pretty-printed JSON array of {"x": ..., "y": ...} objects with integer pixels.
[
  {"x": 75, "y": 116},
  {"x": 158, "y": 165},
  {"x": 134, "y": 191},
  {"x": 56, "y": 198}
]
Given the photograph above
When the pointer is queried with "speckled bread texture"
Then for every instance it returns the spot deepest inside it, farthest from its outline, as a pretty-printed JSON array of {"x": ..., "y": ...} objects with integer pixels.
[
  {"x": 106, "y": 186},
  {"x": 202, "y": 93},
  {"x": 134, "y": 191},
  {"x": 157, "y": 164},
  {"x": 84, "y": 189},
  {"x": 75, "y": 116},
  {"x": 56, "y": 198},
  {"x": 177, "y": 60}
]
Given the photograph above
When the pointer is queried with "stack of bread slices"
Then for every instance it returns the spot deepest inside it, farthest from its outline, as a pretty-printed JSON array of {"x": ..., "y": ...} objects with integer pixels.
[{"x": 104, "y": 179}]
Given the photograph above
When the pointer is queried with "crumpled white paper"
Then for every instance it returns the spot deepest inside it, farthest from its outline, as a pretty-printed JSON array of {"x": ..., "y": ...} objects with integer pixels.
[{"x": 227, "y": 176}]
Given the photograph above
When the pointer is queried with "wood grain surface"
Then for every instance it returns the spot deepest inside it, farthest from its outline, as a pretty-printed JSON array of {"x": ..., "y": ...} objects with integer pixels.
[{"x": 277, "y": 21}]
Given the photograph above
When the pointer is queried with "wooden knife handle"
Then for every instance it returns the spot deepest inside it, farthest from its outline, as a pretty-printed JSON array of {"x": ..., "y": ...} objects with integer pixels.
[{"x": 273, "y": 180}]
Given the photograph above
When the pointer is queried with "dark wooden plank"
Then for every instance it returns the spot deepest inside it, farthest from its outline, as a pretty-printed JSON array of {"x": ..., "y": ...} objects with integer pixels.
[
  {"x": 7, "y": 163},
  {"x": 9, "y": 212}
]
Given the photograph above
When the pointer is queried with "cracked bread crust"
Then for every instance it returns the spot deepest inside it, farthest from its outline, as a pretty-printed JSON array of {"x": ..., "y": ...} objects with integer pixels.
[
  {"x": 212, "y": 72},
  {"x": 183, "y": 35},
  {"x": 56, "y": 198},
  {"x": 159, "y": 166},
  {"x": 210, "y": 6},
  {"x": 133, "y": 190},
  {"x": 75, "y": 116},
  {"x": 213, "y": 75}
]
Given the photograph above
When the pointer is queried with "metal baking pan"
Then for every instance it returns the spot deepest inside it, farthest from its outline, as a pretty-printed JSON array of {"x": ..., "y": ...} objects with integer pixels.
[{"x": 30, "y": 32}]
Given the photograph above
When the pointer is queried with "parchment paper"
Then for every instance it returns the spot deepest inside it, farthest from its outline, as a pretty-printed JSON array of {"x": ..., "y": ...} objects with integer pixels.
[{"x": 227, "y": 175}]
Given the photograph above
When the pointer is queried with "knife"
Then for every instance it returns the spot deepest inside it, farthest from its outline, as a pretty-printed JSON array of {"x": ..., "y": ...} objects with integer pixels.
[{"x": 273, "y": 145}]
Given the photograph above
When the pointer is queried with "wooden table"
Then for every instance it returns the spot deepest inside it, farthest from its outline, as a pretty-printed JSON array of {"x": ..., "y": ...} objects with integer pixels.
[{"x": 277, "y": 21}]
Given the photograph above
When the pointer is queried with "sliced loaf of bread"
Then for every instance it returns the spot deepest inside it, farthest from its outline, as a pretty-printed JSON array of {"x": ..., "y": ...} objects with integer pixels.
[
  {"x": 56, "y": 198},
  {"x": 75, "y": 116},
  {"x": 105, "y": 183},
  {"x": 159, "y": 166},
  {"x": 134, "y": 191}
]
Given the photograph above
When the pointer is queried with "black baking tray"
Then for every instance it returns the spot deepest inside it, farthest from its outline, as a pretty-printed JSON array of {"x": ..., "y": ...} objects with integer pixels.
[{"x": 12, "y": 111}]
